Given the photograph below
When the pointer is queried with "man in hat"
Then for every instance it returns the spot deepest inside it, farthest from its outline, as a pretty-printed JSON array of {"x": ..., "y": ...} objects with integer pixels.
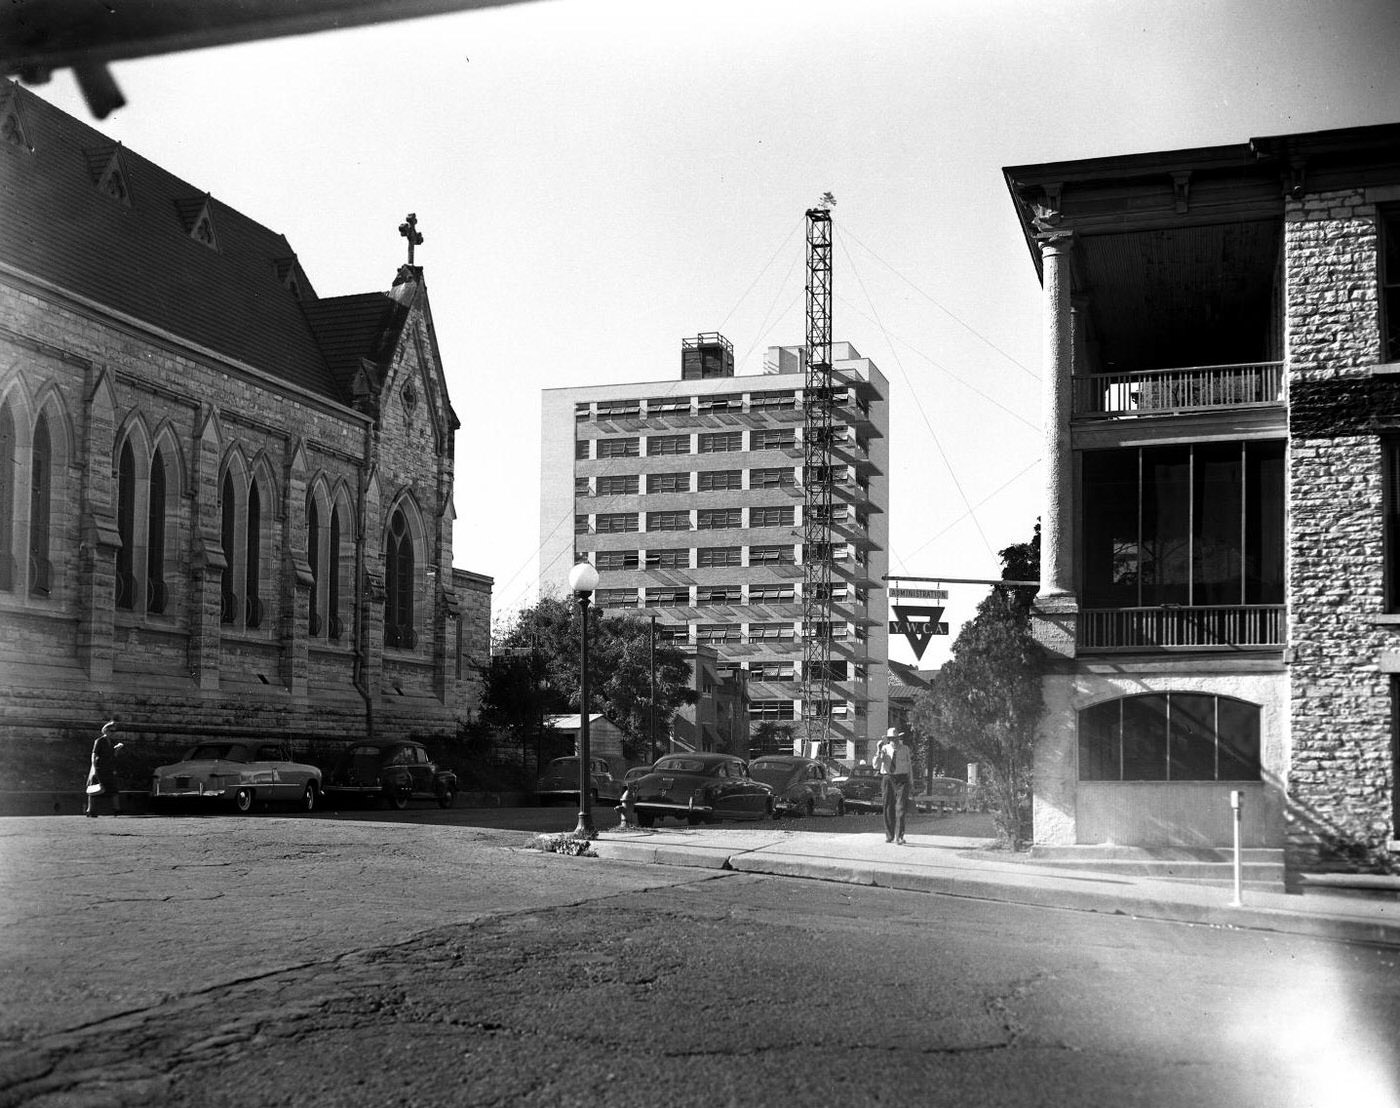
[{"x": 894, "y": 761}]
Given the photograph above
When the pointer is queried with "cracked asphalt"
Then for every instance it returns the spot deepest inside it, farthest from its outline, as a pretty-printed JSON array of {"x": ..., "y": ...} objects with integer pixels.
[{"x": 228, "y": 961}]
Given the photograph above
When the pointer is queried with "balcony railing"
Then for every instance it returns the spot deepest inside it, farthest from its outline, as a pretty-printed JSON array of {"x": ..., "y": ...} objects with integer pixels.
[
  {"x": 1197, "y": 388},
  {"x": 1193, "y": 627}
]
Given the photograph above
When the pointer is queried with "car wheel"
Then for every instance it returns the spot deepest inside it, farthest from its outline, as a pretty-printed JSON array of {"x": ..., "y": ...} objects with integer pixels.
[
  {"x": 243, "y": 800},
  {"x": 308, "y": 797},
  {"x": 772, "y": 811},
  {"x": 645, "y": 819},
  {"x": 447, "y": 799},
  {"x": 840, "y": 807},
  {"x": 808, "y": 807},
  {"x": 396, "y": 797},
  {"x": 693, "y": 818}
]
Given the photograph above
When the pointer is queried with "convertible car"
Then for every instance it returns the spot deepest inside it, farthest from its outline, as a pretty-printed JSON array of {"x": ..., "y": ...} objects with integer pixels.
[
  {"x": 395, "y": 772},
  {"x": 700, "y": 788},
  {"x": 801, "y": 785},
  {"x": 245, "y": 773}
]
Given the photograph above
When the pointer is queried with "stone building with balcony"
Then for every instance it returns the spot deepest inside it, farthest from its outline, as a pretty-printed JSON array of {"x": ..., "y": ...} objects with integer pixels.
[
  {"x": 1220, "y": 586},
  {"x": 687, "y": 495},
  {"x": 225, "y": 500}
]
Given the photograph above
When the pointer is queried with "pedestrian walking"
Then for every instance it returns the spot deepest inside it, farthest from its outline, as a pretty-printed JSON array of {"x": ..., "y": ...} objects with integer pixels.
[
  {"x": 102, "y": 787},
  {"x": 895, "y": 763}
]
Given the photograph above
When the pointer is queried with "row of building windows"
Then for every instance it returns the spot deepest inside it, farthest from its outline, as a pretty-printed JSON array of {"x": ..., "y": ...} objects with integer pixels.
[
  {"x": 718, "y": 557},
  {"x": 781, "y": 710},
  {"x": 776, "y": 401},
  {"x": 663, "y": 596},
  {"x": 704, "y": 519},
  {"x": 706, "y": 442},
  {"x": 148, "y": 516},
  {"x": 684, "y": 480}
]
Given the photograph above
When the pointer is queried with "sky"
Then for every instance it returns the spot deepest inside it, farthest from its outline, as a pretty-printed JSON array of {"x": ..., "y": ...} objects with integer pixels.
[{"x": 597, "y": 179}]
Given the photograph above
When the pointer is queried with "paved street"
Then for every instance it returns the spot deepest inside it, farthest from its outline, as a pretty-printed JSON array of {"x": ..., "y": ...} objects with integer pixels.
[{"x": 222, "y": 960}]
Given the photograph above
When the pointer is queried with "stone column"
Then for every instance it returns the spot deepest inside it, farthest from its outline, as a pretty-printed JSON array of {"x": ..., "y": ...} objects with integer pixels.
[{"x": 1056, "y": 607}]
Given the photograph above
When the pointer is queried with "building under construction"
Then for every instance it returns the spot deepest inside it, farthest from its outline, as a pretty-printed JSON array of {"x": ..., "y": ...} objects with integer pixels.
[{"x": 691, "y": 495}]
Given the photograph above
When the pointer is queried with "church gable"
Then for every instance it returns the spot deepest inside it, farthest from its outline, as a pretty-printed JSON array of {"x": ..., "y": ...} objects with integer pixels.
[
  {"x": 197, "y": 217},
  {"x": 109, "y": 173},
  {"x": 13, "y": 131}
]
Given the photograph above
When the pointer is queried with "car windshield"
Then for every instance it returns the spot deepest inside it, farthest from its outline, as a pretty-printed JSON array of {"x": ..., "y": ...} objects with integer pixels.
[
  {"x": 771, "y": 773},
  {"x": 686, "y": 765},
  {"x": 864, "y": 771},
  {"x": 560, "y": 765},
  {"x": 210, "y": 752}
]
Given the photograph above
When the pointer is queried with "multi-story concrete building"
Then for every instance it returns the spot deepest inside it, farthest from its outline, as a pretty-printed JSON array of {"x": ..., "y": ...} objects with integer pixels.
[
  {"x": 1221, "y": 553},
  {"x": 687, "y": 496}
]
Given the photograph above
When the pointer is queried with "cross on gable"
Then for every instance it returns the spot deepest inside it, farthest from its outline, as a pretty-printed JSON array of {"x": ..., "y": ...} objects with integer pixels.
[{"x": 409, "y": 230}]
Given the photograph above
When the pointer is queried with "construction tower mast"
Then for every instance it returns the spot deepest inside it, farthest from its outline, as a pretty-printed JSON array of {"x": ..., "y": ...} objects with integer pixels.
[{"x": 815, "y": 679}]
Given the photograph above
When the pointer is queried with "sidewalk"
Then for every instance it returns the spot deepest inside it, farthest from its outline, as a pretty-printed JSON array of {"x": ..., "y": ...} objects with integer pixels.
[{"x": 966, "y": 867}]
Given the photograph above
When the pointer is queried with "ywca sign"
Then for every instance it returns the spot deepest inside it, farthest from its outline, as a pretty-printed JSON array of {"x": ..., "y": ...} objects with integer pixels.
[{"x": 918, "y": 624}]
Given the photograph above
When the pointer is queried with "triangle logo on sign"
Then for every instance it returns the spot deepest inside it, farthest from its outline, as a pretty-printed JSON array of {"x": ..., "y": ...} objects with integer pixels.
[{"x": 919, "y": 632}]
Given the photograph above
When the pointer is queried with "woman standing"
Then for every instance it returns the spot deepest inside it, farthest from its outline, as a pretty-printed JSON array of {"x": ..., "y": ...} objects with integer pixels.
[{"x": 104, "y": 772}]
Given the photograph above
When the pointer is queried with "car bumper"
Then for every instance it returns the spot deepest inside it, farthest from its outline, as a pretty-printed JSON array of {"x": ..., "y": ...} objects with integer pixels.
[
  {"x": 198, "y": 790},
  {"x": 673, "y": 808}
]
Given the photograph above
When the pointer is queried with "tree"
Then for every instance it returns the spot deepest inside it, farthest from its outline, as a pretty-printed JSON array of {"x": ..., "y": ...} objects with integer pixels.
[
  {"x": 986, "y": 700},
  {"x": 539, "y": 674}
]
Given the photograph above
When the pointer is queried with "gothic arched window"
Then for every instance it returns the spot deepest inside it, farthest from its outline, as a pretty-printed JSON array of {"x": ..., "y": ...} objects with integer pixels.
[
  {"x": 398, "y": 585},
  {"x": 252, "y": 565},
  {"x": 313, "y": 559},
  {"x": 337, "y": 561},
  {"x": 40, "y": 493},
  {"x": 8, "y": 447},
  {"x": 156, "y": 592},
  {"x": 126, "y": 527}
]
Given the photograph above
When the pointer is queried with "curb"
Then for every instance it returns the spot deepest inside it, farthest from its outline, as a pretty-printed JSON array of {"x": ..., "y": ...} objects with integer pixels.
[{"x": 1121, "y": 902}]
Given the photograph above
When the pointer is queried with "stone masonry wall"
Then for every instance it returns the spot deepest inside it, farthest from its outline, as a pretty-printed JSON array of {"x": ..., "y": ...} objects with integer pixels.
[{"x": 1339, "y": 781}]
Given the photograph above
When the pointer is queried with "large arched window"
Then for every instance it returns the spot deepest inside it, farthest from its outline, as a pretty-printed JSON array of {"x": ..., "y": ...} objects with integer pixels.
[
  {"x": 157, "y": 594},
  {"x": 252, "y": 564},
  {"x": 335, "y": 626},
  {"x": 313, "y": 559},
  {"x": 8, "y": 449},
  {"x": 1173, "y": 736},
  {"x": 228, "y": 534},
  {"x": 244, "y": 546},
  {"x": 40, "y": 499},
  {"x": 126, "y": 527},
  {"x": 398, "y": 584}
]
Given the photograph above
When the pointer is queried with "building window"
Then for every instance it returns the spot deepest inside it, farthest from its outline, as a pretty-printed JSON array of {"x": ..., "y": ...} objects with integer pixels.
[
  {"x": 40, "y": 500},
  {"x": 616, "y": 559},
  {"x": 1175, "y": 736},
  {"x": 619, "y": 409},
  {"x": 730, "y": 593},
  {"x": 1390, "y": 500},
  {"x": 771, "y": 516},
  {"x": 1390, "y": 283},
  {"x": 618, "y": 448},
  {"x": 611, "y": 523},
  {"x": 668, "y": 521},
  {"x": 771, "y": 671},
  {"x": 669, "y": 559},
  {"x": 772, "y": 632},
  {"x": 620, "y": 484},
  {"x": 716, "y": 519},
  {"x": 716, "y": 480},
  {"x": 668, "y": 405},
  {"x": 582, "y": 411},
  {"x": 772, "y": 556},
  {"x": 8, "y": 449},
  {"x": 771, "y": 709},
  {"x": 126, "y": 528},
  {"x": 710, "y": 557},
  {"x": 669, "y": 482},
  {"x": 721, "y": 442},
  {"x": 760, "y": 401},
  {"x": 673, "y": 632},
  {"x": 243, "y": 539},
  {"x": 615, "y": 598},
  {"x": 722, "y": 402},
  {"x": 1195, "y": 524},
  {"x": 581, "y": 449},
  {"x": 581, "y": 524},
  {"x": 717, "y": 633},
  {"x": 774, "y": 439},
  {"x": 398, "y": 585},
  {"x": 668, "y": 597},
  {"x": 784, "y": 478},
  {"x": 772, "y": 594},
  {"x": 582, "y": 487},
  {"x": 668, "y": 444}
]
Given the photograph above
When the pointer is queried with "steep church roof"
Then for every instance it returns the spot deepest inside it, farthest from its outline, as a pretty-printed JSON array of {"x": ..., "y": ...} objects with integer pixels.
[{"x": 99, "y": 221}]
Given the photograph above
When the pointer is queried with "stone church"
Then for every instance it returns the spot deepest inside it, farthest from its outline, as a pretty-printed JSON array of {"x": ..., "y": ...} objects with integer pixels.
[{"x": 226, "y": 502}]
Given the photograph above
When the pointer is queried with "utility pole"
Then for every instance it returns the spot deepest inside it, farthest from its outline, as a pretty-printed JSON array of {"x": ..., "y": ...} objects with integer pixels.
[{"x": 651, "y": 704}]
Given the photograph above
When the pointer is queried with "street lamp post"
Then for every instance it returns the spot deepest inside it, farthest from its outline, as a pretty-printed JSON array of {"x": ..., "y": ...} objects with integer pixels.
[{"x": 583, "y": 579}]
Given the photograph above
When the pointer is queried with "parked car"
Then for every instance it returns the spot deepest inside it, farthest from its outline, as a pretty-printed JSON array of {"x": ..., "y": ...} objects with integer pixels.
[
  {"x": 243, "y": 773},
  {"x": 945, "y": 794},
  {"x": 801, "y": 786},
  {"x": 633, "y": 775},
  {"x": 701, "y": 788},
  {"x": 862, "y": 790},
  {"x": 395, "y": 772},
  {"x": 559, "y": 781}
]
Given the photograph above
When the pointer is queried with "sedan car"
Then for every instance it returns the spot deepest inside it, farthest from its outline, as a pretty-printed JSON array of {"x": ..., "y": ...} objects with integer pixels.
[
  {"x": 801, "y": 786},
  {"x": 862, "y": 790},
  {"x": 395, "y": 771},
  {"x": 243, "y": 773},
  {"x": 559, "y": 781},
  {"x": 700, "y": 788}
]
